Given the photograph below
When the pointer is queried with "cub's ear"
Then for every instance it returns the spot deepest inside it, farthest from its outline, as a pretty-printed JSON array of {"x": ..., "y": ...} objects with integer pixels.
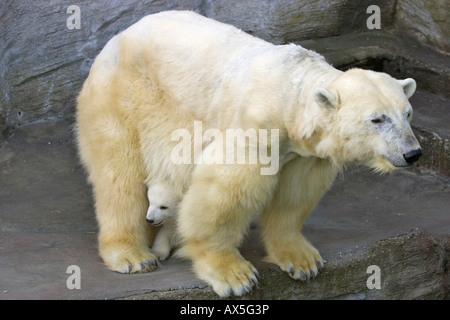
[
  {"x": 409, "y": 86},
  {"x": 325, "y": 98}
]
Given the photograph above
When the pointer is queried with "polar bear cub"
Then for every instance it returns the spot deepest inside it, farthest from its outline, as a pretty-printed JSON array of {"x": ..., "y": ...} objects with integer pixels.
[{"x": 162, "y": 212}]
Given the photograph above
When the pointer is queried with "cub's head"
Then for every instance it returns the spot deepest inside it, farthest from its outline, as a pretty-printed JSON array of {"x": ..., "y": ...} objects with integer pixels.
[
  {"x": 163, "y": 204},
  {"x": 369, "y": 119}
]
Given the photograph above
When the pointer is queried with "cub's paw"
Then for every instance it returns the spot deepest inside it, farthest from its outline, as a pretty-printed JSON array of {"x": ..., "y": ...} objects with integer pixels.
[
  {"x": 161, "y": 254},
  {"x": 229, "y": 274},
  {"x": 297, "y": 257},
  {"x": 128, "y": 259}
]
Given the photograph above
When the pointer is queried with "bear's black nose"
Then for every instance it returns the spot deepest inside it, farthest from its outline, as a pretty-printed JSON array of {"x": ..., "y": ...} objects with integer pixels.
[
  {"x": 412, "y": 156},
  {"x": 150, "y": 220}
]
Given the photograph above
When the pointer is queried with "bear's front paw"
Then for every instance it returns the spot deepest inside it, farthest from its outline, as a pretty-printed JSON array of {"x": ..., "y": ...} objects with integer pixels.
[
  {"x": 124, "y": 258},
  {"x": 297, "y": 257},
  {"x": 229, "y": 274}
]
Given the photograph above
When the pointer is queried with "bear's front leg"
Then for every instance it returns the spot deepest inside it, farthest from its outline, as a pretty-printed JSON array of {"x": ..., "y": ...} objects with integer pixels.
[
  {"x": 161, "y": 247},
  {"x": 214, "y": 216},
  {"x": 302, "y": 183},
  {"x": 294, "y": 255}
]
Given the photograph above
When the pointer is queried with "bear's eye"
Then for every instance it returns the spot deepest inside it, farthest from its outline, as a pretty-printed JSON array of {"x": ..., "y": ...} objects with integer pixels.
[
  {"x": 163, "y": 207},
  {"x": 377, "y": 120}
]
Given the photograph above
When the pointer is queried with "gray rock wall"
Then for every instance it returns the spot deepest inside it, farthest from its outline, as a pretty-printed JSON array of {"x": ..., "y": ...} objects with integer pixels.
[
  {"x": 43, "y": 63},
  {"x": 285, "y": 21},
  {"x": 427, "y": 20}
]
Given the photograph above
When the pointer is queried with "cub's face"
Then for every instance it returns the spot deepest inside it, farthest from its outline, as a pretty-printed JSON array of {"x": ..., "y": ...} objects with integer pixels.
[
  {"x": 157, "y": 213},
  {"x": 370, "y": 119},
  {"x": 163, "y": 204}
]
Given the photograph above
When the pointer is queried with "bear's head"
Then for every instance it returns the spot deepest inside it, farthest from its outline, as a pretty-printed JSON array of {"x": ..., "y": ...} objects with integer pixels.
[
  {"x": 369, "y": 119},
  {"x": 163, "y": 204}
]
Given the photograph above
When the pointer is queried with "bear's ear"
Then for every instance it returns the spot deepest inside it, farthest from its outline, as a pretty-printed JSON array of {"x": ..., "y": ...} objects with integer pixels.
[
  {"x": 409, "y": 86},
  {"x": 325, "y": 98}
]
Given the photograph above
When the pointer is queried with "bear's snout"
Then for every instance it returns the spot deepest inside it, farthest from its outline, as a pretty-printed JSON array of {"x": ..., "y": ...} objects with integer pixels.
[
  {"x": 155, "y": 222},
  {"x": 412, "y": 156}
]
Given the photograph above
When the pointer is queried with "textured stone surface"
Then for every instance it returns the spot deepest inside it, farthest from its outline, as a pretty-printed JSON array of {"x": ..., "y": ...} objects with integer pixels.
[
  {"x": 412, "y": 267},
  {"x": 427, "y": 20},
  {"x": 432, "y": 129},
  {"x": 290, "y": 20},
  {"x": 43, "y": 63}
]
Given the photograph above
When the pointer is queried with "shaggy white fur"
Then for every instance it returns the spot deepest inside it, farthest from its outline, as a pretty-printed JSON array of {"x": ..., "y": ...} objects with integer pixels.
[{"x": 174, "y": 68}]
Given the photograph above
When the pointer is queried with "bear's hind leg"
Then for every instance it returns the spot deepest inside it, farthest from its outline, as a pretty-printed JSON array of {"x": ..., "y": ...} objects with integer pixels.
[{"x": 302, "y": 183}]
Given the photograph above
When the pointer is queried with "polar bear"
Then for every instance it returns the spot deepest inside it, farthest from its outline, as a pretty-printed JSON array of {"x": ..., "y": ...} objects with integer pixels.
[
  {"x": 162, "y": 212},
  {"x": 173, "y": 69}
]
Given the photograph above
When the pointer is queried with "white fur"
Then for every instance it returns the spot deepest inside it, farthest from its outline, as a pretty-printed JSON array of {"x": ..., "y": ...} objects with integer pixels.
[
  {"x": 163, "y": 211},
  {"x": 174, "y": 68}
]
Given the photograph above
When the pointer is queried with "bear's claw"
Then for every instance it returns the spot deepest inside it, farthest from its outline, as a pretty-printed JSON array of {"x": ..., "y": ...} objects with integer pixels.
[
  {"x": 234, "y": 278},
  {"x": 297, "y": 257},
  {"x": 304, "y": 276}
]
